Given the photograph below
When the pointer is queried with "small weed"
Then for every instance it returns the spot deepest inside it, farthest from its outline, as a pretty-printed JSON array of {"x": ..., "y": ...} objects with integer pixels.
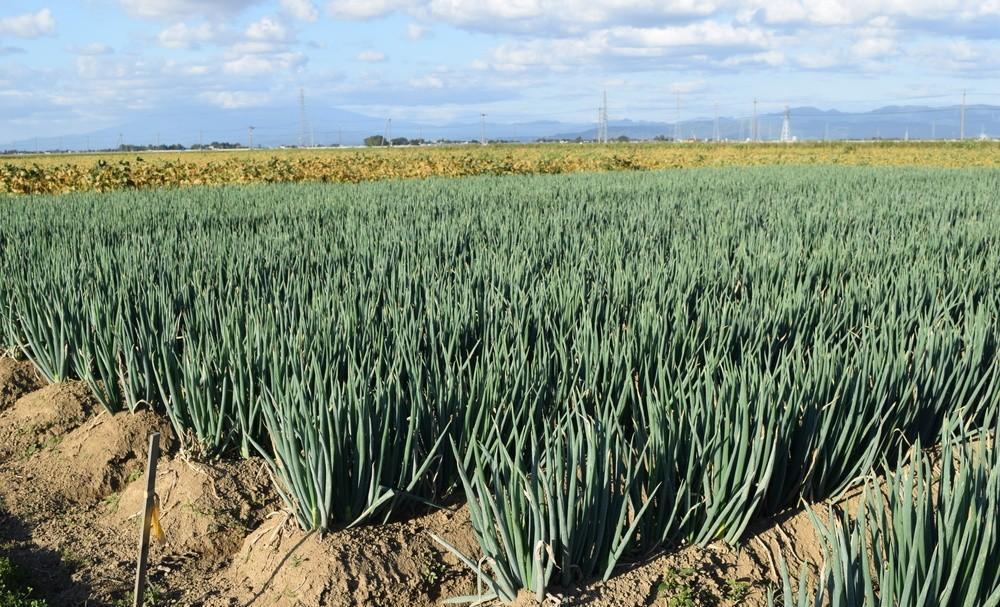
[
  {"x": 111, "y": 502},
  {"x": 736, "y": 590},
  {"x": 149, "y": 598},
  {"x": 14, "y": 592},
  {"x": 53, "y": 442}
]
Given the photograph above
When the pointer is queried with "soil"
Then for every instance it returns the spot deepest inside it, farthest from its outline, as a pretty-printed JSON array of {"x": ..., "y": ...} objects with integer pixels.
[
  {"x": 71, "y": 488},
  {"x": 42, "y": 418},
  {"x": 17, "y": 378}
]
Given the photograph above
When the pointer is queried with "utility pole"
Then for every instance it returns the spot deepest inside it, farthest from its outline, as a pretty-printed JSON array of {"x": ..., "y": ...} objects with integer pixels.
[
  {"x": 753, "y": 124},
  {"x": 201, "y": 143},
  {"x": 826, "y": 132},
  {"x": 340, "y": 137},
  {"x": 121, "y": 141},
  {"x": 961, "y": 128},
  {"x": 933, "y": 129},
  {"x": 482, "y": 129},
  {"x": 250, "y": 132}
]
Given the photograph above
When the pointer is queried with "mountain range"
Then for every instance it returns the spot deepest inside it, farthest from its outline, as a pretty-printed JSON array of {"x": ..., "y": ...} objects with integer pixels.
[{"x": 274, "y": 127}]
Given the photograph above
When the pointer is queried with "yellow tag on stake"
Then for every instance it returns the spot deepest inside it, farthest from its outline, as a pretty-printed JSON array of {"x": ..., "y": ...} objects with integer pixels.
[{"x": 154, "y": 522}]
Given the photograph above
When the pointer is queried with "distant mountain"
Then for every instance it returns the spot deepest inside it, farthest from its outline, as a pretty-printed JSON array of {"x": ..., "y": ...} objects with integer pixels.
[
  {"x": 332, "y": 126},
  {"x": 809, "y": 123}
]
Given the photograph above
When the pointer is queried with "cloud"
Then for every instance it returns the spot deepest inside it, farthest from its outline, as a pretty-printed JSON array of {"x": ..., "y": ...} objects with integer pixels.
[
  {"x": 94, "y": 48},
  {"x": 251, "y": 65},
  {"x": 371, "y": 56},
  {"x": 30, "y": 25},
  {"x": 186, "y": 9},
  {"x": 303, "y": 10},
  {"x": 873, "y": 48},
  {"x": 267, "y": 30},
  {"x": 364, "y": 9},
  {"x": 184, "y": 36},
  {"x": 415, "y": 31},
  {"x": 232, "y": 100},
  {"x": 849, "y": 12},
  {"x": 427, "y": 82}
]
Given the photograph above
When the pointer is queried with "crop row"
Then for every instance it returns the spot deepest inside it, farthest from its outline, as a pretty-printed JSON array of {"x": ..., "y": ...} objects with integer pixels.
[
  {"x": 56, "y": 174},
  {"x": 602, "y": 365}
]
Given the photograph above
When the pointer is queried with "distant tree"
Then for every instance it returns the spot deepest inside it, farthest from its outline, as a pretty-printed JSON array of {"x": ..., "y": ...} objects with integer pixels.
[
  {"x": 375, "y": 141},
  {"x": 400, "y": 141},
  {"x": 622, "y": 138}
]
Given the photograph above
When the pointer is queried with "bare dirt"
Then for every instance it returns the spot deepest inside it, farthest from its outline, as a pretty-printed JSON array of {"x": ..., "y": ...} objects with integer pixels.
[
  {"x": 17, "y": 378},
  {"x": 71, "y": 488}
]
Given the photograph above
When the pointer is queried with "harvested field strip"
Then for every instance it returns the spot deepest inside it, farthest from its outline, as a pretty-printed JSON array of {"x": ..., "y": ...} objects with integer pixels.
[
  {"x": 599, "y": 366},
  {"x": 56, "y": 174}
]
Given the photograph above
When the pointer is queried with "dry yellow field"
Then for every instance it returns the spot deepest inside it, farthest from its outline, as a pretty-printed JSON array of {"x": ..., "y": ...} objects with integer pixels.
[{"x": 63, "y": 173}]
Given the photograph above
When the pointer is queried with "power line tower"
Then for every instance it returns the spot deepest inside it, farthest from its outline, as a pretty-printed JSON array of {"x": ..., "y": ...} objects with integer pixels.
[
  {"x": 961, "y": 128},
  {"x": 786, "y": 127},
  {"x": 387, "y": 137},
  {"x": 303, "y": 120},
  {"x": 677, "y": 120},
  {"x": 716, "y": 134},
  {"x": 482, "y": 129},
  {"x": 602, "y": 127},
  {"x": 753, "y": 123},
  {"x": 250, "y": 132}
]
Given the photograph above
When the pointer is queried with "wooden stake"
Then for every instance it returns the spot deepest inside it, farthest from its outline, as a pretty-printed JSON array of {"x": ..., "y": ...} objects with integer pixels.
[{"x": 140, "y": 571}]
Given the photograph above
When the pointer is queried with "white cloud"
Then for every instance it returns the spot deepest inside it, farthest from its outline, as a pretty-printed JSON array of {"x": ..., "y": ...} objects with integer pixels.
[
  {"x": 873, "y": 48},
  {"x": 303, "y": 10},
  {"x": 415, "y": 31},
  {"x": 427, "y": 82},
  {"x": 364, "y": 9},
  {"x": 185, "y": 9},
  {"x": 705, "y": 33},
  {"x": 267, "y": 30},
  {"x": 30, "y": 25},
  {"x": 231, "y": 100},
  {"x": 261, "y": 65},
  {"x": 94, "y": 48},
  {"x": 848, "y": 12},
  {"x": 182, "y": 35},
  {"x": 371, "y": 56}
]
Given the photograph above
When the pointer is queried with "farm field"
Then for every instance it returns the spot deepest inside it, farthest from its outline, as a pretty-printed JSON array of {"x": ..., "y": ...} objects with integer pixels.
[
  {"x": 697, "y": 387},
  {"x": 62, "y": 173}
]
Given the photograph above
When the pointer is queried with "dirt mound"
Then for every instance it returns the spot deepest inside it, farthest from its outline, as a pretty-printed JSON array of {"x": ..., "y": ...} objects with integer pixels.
[
  {"x": 206, "y": 509},
  {"x": 99, "y": 457},
  {"x": 40, "y": 418},
  {"x": 394, "y": 564},
  {"x": 718, "y": 574},
  {"x": 17, "y": 378}
]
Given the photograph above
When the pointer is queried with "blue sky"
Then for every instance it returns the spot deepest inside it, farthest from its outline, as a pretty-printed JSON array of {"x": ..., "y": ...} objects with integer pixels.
[{"x": 77, "y": 66}]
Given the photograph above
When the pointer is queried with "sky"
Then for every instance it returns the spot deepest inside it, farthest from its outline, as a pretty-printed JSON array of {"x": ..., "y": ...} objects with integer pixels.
[{"x": 74, "y": 66}]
